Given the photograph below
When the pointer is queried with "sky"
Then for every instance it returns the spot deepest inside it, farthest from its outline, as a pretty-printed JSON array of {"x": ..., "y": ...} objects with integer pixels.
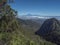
[{"x": 37, "y": 7}]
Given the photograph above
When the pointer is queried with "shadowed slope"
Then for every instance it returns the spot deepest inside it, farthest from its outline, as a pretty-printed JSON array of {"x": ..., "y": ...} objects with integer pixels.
[{"x": 50, "y": 30}]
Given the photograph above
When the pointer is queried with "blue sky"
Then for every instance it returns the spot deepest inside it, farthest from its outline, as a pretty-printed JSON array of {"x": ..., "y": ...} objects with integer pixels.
[{"x": 37, "y": 7}]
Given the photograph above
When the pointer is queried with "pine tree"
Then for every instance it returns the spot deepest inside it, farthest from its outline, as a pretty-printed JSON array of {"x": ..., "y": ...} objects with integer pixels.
[
  {"x": 7, "y": 18},
  {"x": 8, "y": 22}
]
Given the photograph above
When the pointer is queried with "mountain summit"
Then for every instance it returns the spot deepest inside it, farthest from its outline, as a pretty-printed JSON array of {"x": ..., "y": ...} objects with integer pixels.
[{"x": 50, "y": 30}]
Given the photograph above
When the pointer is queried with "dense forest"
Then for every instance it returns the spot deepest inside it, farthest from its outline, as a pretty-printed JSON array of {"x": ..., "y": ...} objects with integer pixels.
[{"x": 12, "y": 31}]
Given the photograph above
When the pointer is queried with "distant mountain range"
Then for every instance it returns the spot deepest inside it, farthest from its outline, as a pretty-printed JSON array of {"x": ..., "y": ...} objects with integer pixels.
[{"x": 38, "y": 17}]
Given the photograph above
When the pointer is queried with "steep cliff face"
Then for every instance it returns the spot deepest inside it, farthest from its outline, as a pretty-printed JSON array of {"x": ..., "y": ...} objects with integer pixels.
[{"x": 50, "y": 30}]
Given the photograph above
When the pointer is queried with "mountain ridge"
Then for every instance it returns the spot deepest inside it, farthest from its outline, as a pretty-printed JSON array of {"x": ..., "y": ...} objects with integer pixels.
[{"x": 50, "y": 30}]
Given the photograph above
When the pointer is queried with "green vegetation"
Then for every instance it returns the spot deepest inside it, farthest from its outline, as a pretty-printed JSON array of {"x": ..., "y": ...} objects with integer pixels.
[{"x": 12, "y": 32}]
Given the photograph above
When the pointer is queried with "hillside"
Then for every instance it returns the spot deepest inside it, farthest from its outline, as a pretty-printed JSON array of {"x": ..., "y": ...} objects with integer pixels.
[
  {"x": 29, "y": 32},
  {"x": 30, "y": 24},
  {"x": 50, "y": 30}
]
